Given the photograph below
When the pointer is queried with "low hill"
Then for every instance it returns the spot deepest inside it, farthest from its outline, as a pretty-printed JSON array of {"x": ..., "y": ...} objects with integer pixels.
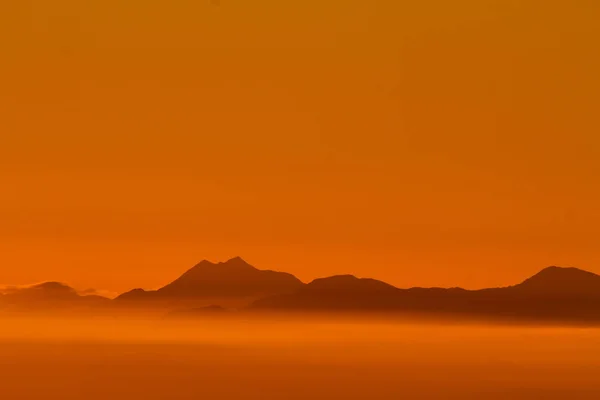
[{"x": 48, "y": 295}]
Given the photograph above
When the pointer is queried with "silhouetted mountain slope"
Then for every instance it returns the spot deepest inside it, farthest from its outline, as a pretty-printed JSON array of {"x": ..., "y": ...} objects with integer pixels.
[
  {"x": 336, "y": 292},
  {"x": 348, "y": 285},
  {"x": 553, "y": 293},
  {"x": 231, "y": 279},
  {"x": 43, "y": 291},
  {"x": 48, "y": 295},
  {"x": 556, "y": 281},
  {"x": 351, "y": 293}
]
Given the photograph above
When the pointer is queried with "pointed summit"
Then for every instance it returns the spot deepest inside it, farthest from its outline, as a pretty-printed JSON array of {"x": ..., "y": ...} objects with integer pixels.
[
  {"x": 206, "y": 270},
  {"x": 234, "y": 278},
  {"x": 237, "y": 263},
  {"x": 236, "y": 260}
]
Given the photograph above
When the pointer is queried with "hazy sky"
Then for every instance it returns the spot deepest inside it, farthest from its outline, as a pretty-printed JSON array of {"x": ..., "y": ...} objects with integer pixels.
[{"x": 426, "y": 142}]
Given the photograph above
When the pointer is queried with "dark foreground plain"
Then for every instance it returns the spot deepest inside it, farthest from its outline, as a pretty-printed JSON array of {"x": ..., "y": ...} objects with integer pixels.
[{"x": 294, "y": 359}]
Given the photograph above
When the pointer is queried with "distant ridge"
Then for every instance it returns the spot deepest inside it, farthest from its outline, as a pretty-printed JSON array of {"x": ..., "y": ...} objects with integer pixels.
[
  {"x": 48, "y": 295},
  {"x": 335, "y": 292},
  {"x": 554, "y": 293}
]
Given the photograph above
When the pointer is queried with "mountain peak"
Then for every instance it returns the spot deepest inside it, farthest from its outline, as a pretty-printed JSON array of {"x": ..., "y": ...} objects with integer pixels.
[
  {"x": 236, "y": 259},
  {"x": 233, "y": 263},
  {"x": 562, "y": 272},
  {"x": 43, "y": 294},
  {"x": 234, "y": 277},
  {"x": 348, "y": 283},
  {"x": 237, "y": 262},
  {"x": 562, "y": 280},
  {"x": 53, "y": 286},
  {"x": 335, "y": 292}
]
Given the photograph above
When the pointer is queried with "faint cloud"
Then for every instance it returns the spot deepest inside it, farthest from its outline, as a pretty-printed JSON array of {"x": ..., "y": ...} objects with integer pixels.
[{"x": 7, "y": 289}]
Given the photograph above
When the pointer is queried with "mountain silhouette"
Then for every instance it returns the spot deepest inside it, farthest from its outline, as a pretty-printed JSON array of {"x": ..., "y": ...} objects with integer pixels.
[
  {"x": 233, "y": 279},
  {"x": 553, "y": 293},
  {"x": 557, "y": 281},
  {"x": 47, "y": 295},
  {"x": 335, "y": 292}
]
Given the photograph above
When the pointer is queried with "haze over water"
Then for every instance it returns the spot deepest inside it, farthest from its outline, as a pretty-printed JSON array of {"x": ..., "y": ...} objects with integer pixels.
[{"x": 294, "y": 359}]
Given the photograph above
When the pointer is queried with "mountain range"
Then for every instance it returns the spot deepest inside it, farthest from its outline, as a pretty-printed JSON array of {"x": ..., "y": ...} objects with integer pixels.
[{"x": 555, "y": 293}]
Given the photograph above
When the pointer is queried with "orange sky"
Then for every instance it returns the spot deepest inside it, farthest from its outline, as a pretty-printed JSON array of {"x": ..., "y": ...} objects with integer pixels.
[{"x": 421, "y": 142}]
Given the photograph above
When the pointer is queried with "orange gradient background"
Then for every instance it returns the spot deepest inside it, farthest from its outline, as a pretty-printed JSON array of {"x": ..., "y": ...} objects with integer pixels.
[{"x": 425, "y": 143}]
